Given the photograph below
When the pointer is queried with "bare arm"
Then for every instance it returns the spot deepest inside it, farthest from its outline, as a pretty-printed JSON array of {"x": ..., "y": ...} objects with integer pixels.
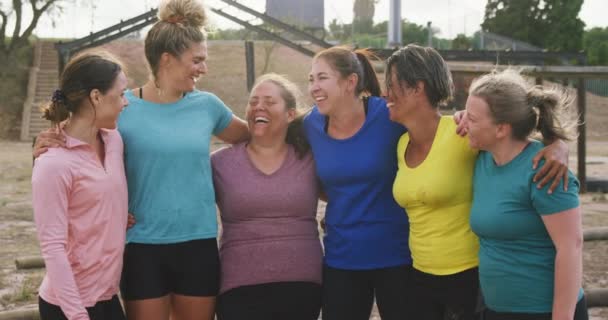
[
  {"x": 235, "y": 132},
  {"x": 555, "y": 168},
  {"x": 566, "y": 232}
]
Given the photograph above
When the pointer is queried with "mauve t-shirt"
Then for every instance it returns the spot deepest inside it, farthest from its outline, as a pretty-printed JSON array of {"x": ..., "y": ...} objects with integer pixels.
[{"x": 269, "y": 221}]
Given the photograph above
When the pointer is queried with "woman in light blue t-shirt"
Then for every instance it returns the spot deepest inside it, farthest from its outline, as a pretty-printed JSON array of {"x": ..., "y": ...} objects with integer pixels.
[
  {"x": 171, "y": 262},
  {"x": 530, "y": 259}
]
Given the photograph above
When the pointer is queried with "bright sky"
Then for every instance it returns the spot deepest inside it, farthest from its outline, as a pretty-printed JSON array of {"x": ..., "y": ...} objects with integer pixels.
[{"x": 450, "y": 16}]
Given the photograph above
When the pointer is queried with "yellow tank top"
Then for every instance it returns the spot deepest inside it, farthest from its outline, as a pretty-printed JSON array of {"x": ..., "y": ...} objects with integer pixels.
[{"x": 437, "y": 195}]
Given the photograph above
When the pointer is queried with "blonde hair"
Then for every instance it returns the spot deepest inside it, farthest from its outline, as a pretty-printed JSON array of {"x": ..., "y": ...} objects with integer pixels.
[
  {"x": 180, "y": 24},
  {"x": 291, "y": 95},
  {"x": 526, "y": 107}
]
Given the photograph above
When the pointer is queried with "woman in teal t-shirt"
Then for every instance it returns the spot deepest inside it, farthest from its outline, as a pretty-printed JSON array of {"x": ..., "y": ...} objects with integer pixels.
[{"x": 530, "y": 259}]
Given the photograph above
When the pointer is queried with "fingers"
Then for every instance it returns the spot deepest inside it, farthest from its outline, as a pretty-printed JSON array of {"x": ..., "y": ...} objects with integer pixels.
[
  {"x": 458, "y": 115},
  {"x": 553, "y": 173},
  {"x": 461, "y": 130},
  {"x": 562, "y": 173},
  {"x": 37, "y": 152},
  {"x": 130, "y": 221},
  {"x": 462, "y": 123},
  {"x": 535, "y": 162}
]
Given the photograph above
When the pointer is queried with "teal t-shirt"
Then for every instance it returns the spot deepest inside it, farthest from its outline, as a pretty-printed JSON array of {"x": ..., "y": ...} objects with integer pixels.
[
  {"x": 166, "y": 150},
  {"x": 516, "y": 255}
]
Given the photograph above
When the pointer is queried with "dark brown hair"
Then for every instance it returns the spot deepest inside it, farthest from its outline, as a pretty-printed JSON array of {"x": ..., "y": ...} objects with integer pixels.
[
  {"x": 414, "y": 63},
  {"x": 83, "y": 73},
  {"x": 180, "y": 24},
  {"x": 347, "y": 62}
]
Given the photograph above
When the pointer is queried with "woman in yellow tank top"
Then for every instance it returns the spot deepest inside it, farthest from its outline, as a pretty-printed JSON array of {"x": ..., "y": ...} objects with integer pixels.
[{"x": 434, "y": 183}]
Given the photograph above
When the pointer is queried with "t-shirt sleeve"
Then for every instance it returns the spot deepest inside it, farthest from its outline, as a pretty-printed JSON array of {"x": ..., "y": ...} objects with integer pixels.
[
  {"x": 220, "y": 112},
  {"x": 559, "y": 200}
]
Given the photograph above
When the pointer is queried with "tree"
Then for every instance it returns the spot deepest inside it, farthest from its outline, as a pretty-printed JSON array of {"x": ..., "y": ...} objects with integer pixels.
[
  {"x": 363, "y": 18},
  {"x": 595, "y": 42},
  {"x": 413, "y": 33},
  {"x": 550, "y": 24},
  {"x": 462, "y": 42},
  {"x": 14, "y": 13}
]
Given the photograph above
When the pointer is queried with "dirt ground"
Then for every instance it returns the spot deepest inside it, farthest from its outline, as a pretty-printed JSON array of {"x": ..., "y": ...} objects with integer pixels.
[
  {"x": 18, "y": 239},
  {"x": 17, "y": 233}
]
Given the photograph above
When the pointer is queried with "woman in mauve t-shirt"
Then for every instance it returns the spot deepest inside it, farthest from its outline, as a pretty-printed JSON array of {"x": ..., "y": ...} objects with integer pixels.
[{"x": 267, "y": 192}]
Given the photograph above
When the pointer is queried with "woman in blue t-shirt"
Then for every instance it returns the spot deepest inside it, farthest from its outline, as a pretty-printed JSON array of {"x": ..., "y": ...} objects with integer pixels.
[
  {"x": 530, "y": 259},
  {"x": 353, "y": 144}
]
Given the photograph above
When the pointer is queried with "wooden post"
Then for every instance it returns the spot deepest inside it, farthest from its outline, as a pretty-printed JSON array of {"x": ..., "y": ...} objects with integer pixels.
[
  {"x": 33, "y": 262},
  {"x": 582, "y": 131},
  {"x": 250, "y": 62},
  {"x": 596, "y": 297},
  {"x": 24, "y": 314}
]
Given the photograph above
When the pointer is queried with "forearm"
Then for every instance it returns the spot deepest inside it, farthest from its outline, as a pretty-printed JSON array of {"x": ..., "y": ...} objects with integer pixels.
[
  {"x": 62, "y": 281},
  {"x": 568, "y": 274}
]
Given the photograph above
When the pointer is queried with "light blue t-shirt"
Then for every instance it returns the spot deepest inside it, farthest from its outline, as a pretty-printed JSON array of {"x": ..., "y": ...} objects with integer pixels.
[
  {"x": 517, "y": 255},
  {"x": 168, "y": 169},
  {"x": 366, "y": 228}
]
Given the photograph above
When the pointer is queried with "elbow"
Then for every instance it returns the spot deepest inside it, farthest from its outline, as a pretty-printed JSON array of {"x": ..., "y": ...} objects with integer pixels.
[
  {"x": 573, "y": 247},
  {"x": 50, "y": 250}
]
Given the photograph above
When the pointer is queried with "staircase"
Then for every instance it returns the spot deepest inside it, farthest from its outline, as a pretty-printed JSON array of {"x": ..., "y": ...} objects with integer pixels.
[{"x": 44, "y": 79}]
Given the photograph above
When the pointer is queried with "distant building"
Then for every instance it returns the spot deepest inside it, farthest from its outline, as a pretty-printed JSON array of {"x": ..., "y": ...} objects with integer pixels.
[{"x": 307, "y": 14}]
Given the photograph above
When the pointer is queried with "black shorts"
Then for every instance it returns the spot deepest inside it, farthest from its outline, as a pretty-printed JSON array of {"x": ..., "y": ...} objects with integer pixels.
[
  {"x": 350, "y": 294},
  {"x": 580, "y": 313},
  {"x": 102, "y": 310},
  {"x": 189, "y": 268},
  {"x": 453, "y": 296},
  {"x": 271, "y": 301}
]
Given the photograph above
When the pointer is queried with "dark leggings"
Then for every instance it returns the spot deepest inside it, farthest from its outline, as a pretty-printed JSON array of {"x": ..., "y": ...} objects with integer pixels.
[
  {"x": 271, "y": 301},
  {"x": 102, "y": 310},
  {"x": 453, "y": 297},
  {"x": 580, "y": 313},
  {"x": 349, "y": 294}
]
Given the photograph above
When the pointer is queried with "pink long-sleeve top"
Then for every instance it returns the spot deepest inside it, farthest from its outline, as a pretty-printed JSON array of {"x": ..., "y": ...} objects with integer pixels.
[{"x": 80, "y": 210}]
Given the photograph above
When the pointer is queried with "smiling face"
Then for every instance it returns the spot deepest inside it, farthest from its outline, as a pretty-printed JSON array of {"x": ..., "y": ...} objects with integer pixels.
[
  {"x": 111, "y": 103},
  {"x": 326, "y": 86},
  {"x": 400, "y": 99},
  {"x": 185, "y": 70},
  {"x": 482, "y": 130},
  {"x": 266, "y": 113}
]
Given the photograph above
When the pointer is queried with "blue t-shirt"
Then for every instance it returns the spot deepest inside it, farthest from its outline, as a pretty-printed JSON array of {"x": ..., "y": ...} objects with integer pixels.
[
  {"x": 366, "y": 228},
  {"x": 168, "y": 167},
  {"x": 517, "y": 255}
]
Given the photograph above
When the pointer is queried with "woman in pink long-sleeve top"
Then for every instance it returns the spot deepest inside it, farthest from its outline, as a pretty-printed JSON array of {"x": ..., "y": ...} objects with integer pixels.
[{"x": 80, "y": 194}]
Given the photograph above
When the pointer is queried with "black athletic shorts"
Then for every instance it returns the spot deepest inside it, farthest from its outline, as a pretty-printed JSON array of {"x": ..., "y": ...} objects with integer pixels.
[
  {"x": 102, "y": 310},
  {"x": 189, "y": 268},
  {"x": 271, "y": 301}
]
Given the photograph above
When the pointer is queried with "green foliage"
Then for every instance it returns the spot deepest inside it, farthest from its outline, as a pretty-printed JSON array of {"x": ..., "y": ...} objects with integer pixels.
[
  {"x": 595, "y": 42},
  {"x": 462, "y": 42},
  {"x": 14, "y": 76},
  {"x": 413, "y": 33},
  {"x": 550, "y": 24}
]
